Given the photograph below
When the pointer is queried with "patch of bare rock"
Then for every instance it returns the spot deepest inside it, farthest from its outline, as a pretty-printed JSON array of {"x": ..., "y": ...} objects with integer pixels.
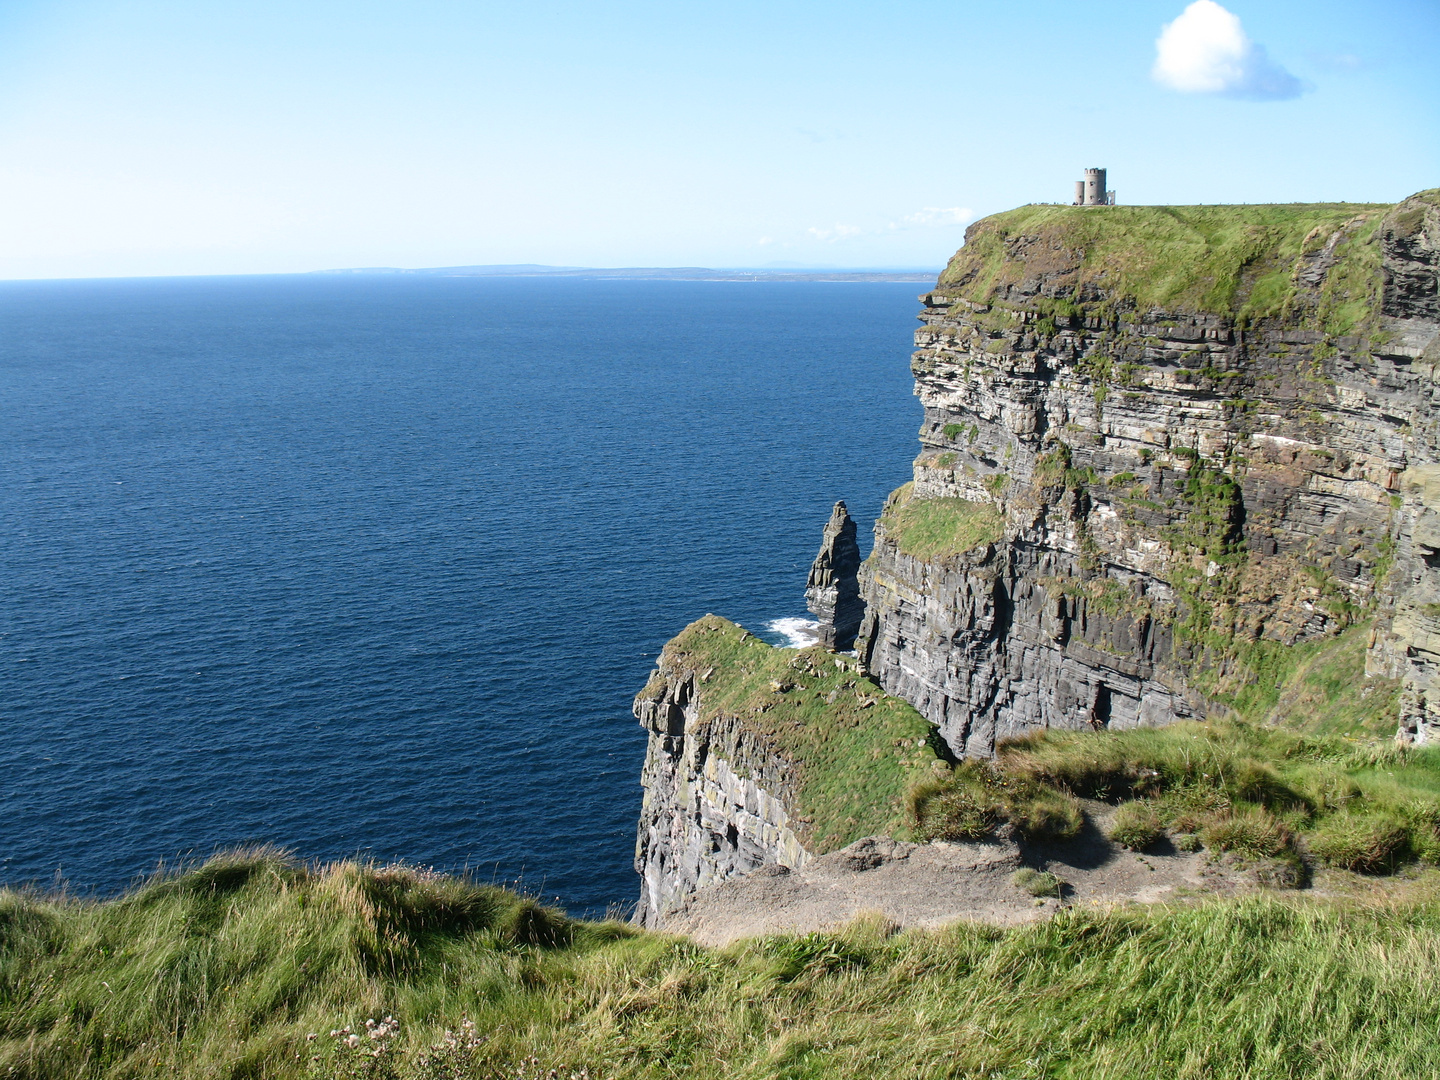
[{"x": 930, "y": 885}]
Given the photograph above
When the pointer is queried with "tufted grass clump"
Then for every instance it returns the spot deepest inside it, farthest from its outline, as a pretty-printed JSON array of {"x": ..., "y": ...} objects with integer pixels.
[
  {"x": 971, "y": 802},
  {"x": 1252, "y": 832},
  {"x": 1366, "y": 843},
  {"x": 1037, "y": 882},
  {"x": 1136, "y": 826},
  {"x": 944, "y": 810}
]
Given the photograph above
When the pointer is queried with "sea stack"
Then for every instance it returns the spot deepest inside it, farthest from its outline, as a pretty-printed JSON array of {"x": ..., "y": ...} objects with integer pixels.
[{"x": 833, "y": 591}]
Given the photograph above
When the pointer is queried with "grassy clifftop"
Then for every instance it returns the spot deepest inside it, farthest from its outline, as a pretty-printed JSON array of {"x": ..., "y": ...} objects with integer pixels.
[
  {"x": 255, "y": 966},
  {"x": 1238, "y": 261},
  {"x": 856, "y": 750}
]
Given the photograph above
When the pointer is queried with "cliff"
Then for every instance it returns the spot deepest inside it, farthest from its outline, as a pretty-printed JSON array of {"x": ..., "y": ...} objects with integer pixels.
[
  {"x": 1176, "y": 462},
  {"x": 1169, "y": 454},
  {"x": 760, "y": 756}
]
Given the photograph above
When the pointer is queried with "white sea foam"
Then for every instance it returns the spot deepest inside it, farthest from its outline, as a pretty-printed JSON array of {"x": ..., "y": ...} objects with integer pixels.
[{"x": 798, "y": 633}]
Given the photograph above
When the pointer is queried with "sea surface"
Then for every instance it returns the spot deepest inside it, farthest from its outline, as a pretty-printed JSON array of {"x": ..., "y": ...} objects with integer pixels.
[{"x": 374, "y": 565}]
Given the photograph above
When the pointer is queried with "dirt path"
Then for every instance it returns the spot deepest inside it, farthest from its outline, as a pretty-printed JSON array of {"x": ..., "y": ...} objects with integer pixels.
[{"x": 929, "y": 885}]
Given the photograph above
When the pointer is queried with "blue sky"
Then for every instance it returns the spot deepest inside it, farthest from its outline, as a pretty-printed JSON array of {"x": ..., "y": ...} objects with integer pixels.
[{"x": 165, "y": 137}]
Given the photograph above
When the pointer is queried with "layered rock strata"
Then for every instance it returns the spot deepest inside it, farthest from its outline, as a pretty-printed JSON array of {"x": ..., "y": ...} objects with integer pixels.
[
  {"x": 715, "y": 800},
  {"x": 763, "y": 756},
  {"x": 1166, "y": 451},
  {"x": 832, "y": 592},
  {"x": 1188, "y": 483}
]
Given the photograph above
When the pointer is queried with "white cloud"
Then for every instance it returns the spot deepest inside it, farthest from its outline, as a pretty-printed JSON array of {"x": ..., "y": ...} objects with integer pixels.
[
  {"x": 1206, "y": 51},
  {"x": 838, "y": 232},
  {"x": 937, "y": 217}
]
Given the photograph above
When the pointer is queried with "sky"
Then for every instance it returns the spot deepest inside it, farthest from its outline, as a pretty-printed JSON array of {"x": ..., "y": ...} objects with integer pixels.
[{"x": 173, "y": 137}]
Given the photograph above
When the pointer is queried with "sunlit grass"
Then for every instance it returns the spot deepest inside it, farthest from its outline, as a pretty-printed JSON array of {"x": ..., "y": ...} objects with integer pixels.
[
  {"x": 935, "y": 529},
  {"x": 228, "y": 971}
]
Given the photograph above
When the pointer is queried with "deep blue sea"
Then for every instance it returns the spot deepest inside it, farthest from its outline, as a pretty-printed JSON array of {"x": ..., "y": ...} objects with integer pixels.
[{"x": 374, "y": 565}]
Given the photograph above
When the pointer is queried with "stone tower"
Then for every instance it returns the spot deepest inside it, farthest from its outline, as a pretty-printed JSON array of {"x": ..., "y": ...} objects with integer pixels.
[{"x": 1092, "y": 191}]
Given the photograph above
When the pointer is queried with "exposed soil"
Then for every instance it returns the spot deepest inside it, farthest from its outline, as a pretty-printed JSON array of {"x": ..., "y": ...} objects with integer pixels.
[{"x": 929, "y": 885}]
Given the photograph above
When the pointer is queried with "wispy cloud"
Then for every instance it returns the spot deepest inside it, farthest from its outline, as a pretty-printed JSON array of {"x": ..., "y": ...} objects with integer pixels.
[
  {"x": 1346, "y": 62},
  {"x": 836, "y": 232},
  {"x": 929, "y": 217},
  {"x": 1206, "y": 51}
]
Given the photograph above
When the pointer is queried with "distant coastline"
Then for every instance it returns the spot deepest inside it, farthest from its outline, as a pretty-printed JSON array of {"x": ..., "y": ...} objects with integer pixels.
[{"x": 652, "y": 273}]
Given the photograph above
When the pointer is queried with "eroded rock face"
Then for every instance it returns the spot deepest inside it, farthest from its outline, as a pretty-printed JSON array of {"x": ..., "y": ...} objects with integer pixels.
[
  {"x": 1180, "y": 489},
  {"x": 832, "y": 592},
  {"x": 715, "y": 797}
]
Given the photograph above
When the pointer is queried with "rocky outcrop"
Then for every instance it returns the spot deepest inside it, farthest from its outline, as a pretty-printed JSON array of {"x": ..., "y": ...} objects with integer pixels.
[
  {"x": 1191, "y": 483},
  {"x": 832, "y": 592},
  {"x": 716, "y": 795},
  {"x": 1165, "y": 450},
  {"x": 762, "y": 756}
]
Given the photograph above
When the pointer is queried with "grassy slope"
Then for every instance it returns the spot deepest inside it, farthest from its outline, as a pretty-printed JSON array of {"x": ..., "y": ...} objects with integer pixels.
[
  {"x": 1324, "y": 691},
  {"x": 224, "y": 973},
  {"x": 935, "y": 529},
  {"x": 857, "y": 749},
  {"x": 1227, "y": 260}
]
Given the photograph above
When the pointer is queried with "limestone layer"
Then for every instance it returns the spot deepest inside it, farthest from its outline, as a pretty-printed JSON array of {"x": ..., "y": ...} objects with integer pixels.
[
  {"x": 715, "y": 797},
  {"x": 1182, "y": 487}
]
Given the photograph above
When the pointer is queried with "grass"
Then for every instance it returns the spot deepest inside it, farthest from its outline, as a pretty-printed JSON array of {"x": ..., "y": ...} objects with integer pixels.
[
  {"x": 1262, "y": 792},
  {"x": 1227, "y": 260},
  {"x": 855, "y": 749},
  {"x": 226, "y": 971},
  {"x": 971, "y": 801},
  {"x": 1038, "y": 882},
  {"x": 936, "y": 529},
  {"x": 1326, "y": 691},
  {"x": 1136, "y": 826}
]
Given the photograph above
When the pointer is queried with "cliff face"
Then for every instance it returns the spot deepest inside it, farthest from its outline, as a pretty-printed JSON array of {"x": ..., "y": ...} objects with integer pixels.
[
  {"x": 715, "y": 798},
  {"x": 1174, "y": 461},
  {"x": 761, "y": 756},
  {"x": 1166, "y": 451}
]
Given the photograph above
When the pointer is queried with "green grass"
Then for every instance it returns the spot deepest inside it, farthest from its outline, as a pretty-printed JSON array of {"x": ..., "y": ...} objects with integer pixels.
[
  {"x": 1137, "y": 825},
  {"x": 1260, "y": 791},
  {"x": 226, "y": 972},
  {"x": 1038, "y": 882},
  {"x": 934, "y": 529},
  {"x": 972, "y": 800},
  {"x": 1227, "y": 260},
  {"x": 856, "y": 750},
  {"x": 1325, "y": 690}
]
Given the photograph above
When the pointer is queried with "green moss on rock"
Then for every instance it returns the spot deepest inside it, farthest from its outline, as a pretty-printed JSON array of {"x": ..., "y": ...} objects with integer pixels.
[{"x": 933, "y": 529}]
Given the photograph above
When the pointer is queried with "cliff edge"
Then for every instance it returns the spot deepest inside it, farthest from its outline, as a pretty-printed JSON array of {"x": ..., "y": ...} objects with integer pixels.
[
  {"x": 1176, "y": 463},
  {"x": 1169, "y": 454}
]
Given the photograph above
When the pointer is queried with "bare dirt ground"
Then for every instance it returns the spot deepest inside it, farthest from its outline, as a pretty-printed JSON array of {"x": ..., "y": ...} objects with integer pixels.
[{"x": 929, "y": 885}]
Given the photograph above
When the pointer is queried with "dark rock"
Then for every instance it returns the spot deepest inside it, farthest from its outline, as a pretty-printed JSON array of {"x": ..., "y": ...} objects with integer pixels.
[{"x": 832, "y": 592}]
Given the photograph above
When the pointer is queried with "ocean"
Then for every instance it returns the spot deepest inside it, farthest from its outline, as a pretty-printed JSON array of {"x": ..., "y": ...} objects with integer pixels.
[{"x": 373, "y": 565}]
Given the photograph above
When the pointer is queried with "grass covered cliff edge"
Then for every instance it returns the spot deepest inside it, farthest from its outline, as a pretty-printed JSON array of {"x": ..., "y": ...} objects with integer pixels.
[{"x": 254, "y": 965}]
